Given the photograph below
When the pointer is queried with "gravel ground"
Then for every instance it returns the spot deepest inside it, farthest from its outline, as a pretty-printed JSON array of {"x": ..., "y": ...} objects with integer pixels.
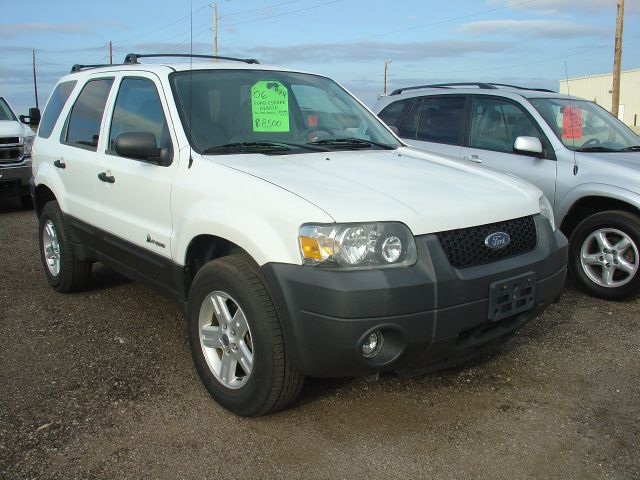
[{"x": 100, "y": 385}]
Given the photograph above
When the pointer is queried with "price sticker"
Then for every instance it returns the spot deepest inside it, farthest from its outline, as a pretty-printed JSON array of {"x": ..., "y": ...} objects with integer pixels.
[{"x": 270, "y": 107}]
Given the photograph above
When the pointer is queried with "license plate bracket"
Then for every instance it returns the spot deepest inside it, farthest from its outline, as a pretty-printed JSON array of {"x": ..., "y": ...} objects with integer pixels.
[{"x": 511, "y": 296}]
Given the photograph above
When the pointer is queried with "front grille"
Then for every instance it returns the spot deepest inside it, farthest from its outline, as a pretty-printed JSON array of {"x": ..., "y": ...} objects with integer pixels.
[
  {"x": 8, "y": 155},
  {"x": 9, "y": 141},
  {"x": 465, "y": 247}
]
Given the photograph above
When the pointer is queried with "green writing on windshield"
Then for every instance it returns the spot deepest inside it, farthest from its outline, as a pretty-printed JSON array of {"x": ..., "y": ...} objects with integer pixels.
[{"x": 270, "y": 107}]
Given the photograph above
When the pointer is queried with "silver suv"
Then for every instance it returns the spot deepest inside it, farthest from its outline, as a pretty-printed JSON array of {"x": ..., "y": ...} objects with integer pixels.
[{"x": 585, "y": 160}]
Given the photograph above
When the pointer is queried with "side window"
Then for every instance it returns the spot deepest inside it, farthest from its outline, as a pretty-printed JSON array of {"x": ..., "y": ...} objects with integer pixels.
[
  {"x": 442, "y": 120},
  {"x": 393, "y": 113},
  {"x": 495, "y": 125},
  {"x": 138, "y": 109},
  {"x": 83, "y": 127},
  {"x": 410, "y": 124},
  {"x": 55, "y": 105}
]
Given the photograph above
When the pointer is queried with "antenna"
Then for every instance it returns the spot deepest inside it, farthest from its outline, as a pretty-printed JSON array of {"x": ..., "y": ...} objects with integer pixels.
[{"x": 573, "y": 140}]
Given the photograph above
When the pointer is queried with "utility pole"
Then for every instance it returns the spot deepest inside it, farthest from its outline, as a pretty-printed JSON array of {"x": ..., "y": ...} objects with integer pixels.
[
  {"x": 386, "y": 67},
  {"x": 35, "y": 78},
  {"x": 617, "y": 60},
  {"x": 215, "y": 30},
  {"x": 110, "y": 53}
]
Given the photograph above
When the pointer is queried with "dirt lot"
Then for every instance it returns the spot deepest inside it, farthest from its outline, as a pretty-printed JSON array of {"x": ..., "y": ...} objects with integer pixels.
[{"x": 100, "y": 385}]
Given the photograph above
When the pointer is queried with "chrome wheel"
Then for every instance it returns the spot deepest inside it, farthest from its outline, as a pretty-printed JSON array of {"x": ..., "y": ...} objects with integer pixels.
[
  {"x": 51, "y": 247},
  {"x": 609, "y": 257},
  {"x": 225, "y": 339}
]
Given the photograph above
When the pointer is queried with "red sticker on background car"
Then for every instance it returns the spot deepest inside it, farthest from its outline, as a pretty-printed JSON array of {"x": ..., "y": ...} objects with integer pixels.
[{"x": 572, "y": 122}]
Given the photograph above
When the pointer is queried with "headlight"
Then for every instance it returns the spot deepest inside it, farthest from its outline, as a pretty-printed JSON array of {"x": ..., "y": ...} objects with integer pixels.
[
  {"x": 546, "y": 210},
  {"x": 367, "y": 245},
  {"x": 27, "y": 143}
]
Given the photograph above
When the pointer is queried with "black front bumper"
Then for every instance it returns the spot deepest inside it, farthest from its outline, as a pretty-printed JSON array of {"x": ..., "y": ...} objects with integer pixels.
[{"x": 430, "y": 314}]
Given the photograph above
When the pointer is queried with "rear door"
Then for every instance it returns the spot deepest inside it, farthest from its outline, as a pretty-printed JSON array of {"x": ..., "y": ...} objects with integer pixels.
[
  {"x": 495, "y": 123},
  {"x": 75, "y": 155},
  {"x": 135, "y": 195}
]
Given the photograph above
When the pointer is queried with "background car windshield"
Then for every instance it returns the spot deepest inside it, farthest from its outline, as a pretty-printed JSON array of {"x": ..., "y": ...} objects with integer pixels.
[
  {"x": 5, "y": 111},
  {"x": 582, "y": 124},
  {"x": 221, "y": 107}
]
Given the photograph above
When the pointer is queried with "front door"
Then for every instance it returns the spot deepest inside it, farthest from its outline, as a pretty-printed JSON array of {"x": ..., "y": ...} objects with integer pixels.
[
  {"x": 134, "y": 196},
  {"x": 495, "y": 124}
]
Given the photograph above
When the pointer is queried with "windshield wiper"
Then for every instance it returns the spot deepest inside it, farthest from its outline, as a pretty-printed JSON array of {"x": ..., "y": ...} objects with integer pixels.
[
  {"x": 596, "y": 148},
  {"x": 632, "y": 148},
  {"x": 249, "y": 147},
  {"x": 351, "y": 143}
]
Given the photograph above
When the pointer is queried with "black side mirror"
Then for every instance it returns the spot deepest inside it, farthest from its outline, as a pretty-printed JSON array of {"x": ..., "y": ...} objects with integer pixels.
[
  {"x": 33, "y": 118},
  {"x": 142, "y": 146}
]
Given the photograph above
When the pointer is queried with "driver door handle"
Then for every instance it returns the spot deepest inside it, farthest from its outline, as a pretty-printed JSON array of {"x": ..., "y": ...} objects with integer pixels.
[
  {"x": 59, "y": 164},
  {"x": 106, "y": 178},
  {"x": 473, "y": 158}
]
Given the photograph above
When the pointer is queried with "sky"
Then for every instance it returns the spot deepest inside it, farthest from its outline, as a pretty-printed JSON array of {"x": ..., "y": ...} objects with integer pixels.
[{"x": 524, "y": 42}]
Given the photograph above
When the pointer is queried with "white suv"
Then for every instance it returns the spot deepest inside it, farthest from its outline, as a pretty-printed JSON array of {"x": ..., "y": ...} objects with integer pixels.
[{"x": 302, "y": 237}]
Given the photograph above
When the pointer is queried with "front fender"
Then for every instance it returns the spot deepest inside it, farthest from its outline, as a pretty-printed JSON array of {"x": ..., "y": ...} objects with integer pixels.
[
  {"x": 261, "y": 218},
  {"x": 594, "y": 190}
]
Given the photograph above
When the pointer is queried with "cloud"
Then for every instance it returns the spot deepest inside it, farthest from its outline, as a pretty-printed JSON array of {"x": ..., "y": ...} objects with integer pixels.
[
  {"x": 16, "y": 29},
  {"x": 533, "y": 28},
  {"x": 569, "y": 6},
  {"x": 367, "y": 51}
]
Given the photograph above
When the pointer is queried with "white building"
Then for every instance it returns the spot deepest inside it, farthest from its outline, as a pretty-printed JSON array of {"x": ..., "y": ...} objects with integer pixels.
[{"x": 598, "y": 89}]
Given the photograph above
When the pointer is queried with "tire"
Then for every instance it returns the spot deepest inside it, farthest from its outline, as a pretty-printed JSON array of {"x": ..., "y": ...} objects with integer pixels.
[
  {"x": 259, "y": 376},
  {"x": 600, "y": 262},
  {"x": 65, "y": 273},
  {"x": 27, "y": 202}
]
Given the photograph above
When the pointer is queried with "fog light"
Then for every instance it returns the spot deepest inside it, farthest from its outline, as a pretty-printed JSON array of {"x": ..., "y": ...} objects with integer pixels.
[{"x": 373, "y": 344}]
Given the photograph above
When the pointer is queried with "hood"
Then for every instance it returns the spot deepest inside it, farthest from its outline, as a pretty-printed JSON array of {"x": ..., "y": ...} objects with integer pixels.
[
  {"x": 427, "y": 192},
  {"x": 13, "y": 128}
]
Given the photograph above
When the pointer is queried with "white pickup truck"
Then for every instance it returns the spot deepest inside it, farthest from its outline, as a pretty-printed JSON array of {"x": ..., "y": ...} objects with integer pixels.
[{"x": 16, "y": 139}]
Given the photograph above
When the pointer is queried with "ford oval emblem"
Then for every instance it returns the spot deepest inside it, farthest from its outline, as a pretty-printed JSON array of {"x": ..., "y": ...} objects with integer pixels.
[{"x": 497, "y": 240}]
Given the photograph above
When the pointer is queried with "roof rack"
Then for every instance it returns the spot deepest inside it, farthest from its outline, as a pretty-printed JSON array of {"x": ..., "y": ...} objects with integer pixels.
[
  {"x": 480, "y": 85},
  {"x": 78, "y": 67},
  {"x": 523, "y": 88},
  {"x": 133, "y": 57},
  {"x": 445, "y": 85}
]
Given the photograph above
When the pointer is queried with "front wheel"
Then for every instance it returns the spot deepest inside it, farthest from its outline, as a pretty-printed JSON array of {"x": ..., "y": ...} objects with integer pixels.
[
  {"x": 236, "y": 339},
  {"x": 604, "y": 255}
]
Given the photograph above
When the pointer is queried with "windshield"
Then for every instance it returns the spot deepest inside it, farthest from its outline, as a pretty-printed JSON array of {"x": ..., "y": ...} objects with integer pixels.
[
  {"x": 245, "y": 111},
  {"x": 585, "y": 126},
  {"x": 5, "y": 111}
]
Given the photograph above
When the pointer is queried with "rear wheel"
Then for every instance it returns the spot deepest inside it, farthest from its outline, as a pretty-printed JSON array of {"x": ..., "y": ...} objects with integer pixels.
[
  {"x": 604, "y": 255},
  {"x": 236, "y": 339},
  {"x": 64, "y": 271}
]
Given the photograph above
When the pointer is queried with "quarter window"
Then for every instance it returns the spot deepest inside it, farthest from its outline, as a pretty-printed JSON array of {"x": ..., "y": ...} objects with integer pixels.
[
  {"x": 54, "y": 107},
  {"x": 393, "y": 114},
  {"x": 138, "y": 109},
  {"x": 495, "y": 125},
  {"x": 83, "y": 128}
]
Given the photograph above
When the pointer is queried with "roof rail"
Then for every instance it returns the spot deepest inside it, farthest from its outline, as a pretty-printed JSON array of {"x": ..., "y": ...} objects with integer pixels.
[
  {"x": 133, "y": 57},
  {"x": 78, "y": 68},
  {"x": 481, "y": 85}
]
